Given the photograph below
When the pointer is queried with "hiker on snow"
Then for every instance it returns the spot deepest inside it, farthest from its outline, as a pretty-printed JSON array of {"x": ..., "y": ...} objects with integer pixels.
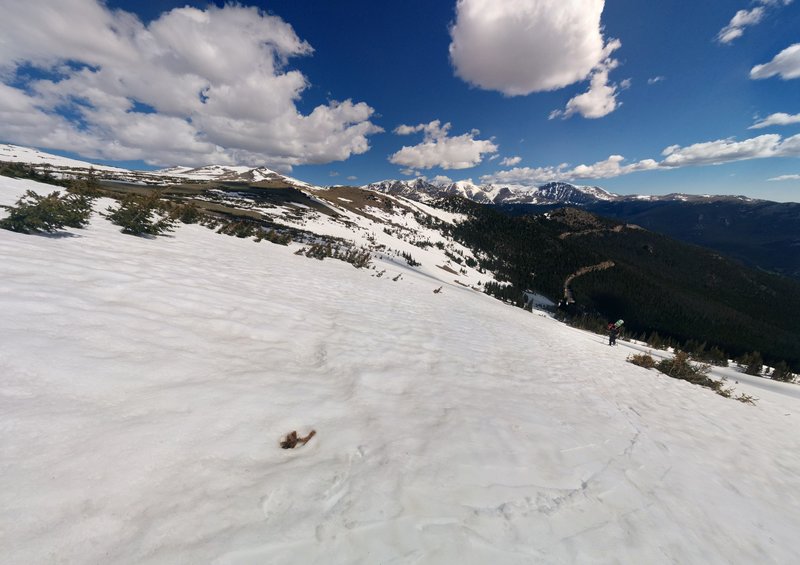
[{"x": 613, "y": 332}]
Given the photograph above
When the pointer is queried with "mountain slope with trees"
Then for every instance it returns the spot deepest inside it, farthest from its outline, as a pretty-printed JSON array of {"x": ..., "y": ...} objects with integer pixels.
[{"x": 657, "y": 284}]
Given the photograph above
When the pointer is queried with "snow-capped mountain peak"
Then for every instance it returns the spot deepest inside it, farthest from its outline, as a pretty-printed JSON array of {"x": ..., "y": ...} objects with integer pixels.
[
  {"x": 573, "y": 194},
  {"x": 550, "y": 193}
]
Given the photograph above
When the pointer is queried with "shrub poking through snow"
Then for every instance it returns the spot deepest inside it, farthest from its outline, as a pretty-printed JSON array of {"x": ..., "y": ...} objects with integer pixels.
[
  {"x": 141, "y": 215},
  {"x": 643, "y": 360},
  {"x": 746, "y": 399},
  {"x": 273, "y": 236},
  {"x": 681, "y": 367},
  {"x": 187, "y": 213},
  {"x": 36, "y": 214},
  {"x": 356, "y": 257},
  {"x": 410, "y": 260},
  {"x": 239, "y": 228}
]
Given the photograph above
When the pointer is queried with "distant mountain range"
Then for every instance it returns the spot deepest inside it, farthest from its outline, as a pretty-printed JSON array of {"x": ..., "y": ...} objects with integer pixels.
[
  {"x": 553, "y": 193},
  {"x": 759, "y": 233},
  {"x": 549, "y": 194}
]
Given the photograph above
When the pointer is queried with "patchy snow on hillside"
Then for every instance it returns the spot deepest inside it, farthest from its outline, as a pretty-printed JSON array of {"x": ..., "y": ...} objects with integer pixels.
[{"x": 145, "y": 385}]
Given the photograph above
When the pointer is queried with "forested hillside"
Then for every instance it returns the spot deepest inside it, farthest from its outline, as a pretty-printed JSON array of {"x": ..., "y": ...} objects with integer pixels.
[
  {"x": 656, "y": 284},
  {"x": 760, "y": 234}
]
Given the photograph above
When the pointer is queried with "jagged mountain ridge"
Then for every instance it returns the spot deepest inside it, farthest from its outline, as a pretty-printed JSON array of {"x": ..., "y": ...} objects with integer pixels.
[
  {"x": 561, "y": 192},
  {"x": 550, "y": 193}
]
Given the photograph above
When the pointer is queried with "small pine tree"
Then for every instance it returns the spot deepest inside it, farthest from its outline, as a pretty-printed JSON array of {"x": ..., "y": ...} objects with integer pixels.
[
  {"x": 140, "y": 215},
  {"x": 189, "y": 213},
  {"x": 36, "y": 214},
  {"x": 717, "y": 356},
  {"x": 655, "y": 341},
  {"x": 752, "y": 363},
  {"x": 782, "y": 373}
]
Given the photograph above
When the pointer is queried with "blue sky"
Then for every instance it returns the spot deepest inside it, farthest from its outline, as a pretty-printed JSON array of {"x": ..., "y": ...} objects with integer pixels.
[{"x": 357, "y": 91}]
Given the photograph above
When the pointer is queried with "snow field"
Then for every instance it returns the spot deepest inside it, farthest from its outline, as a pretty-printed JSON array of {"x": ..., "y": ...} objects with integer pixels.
[{"x": 145, "y": 385}]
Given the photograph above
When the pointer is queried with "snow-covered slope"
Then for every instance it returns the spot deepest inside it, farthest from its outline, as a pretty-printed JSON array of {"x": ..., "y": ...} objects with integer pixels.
[
  {"x": 19, "y": 154},
  {"x": 65, "y": 166},
  {"x": 145, "y": 385},
  {"x": 230, "y": 173}
]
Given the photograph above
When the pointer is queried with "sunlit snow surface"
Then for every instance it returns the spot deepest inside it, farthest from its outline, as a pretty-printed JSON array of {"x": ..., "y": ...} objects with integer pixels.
[{"x": 145, "y": 385}]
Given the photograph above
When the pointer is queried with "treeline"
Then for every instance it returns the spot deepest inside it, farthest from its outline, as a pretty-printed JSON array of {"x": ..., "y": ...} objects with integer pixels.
[{"x": 26, "y": 171}]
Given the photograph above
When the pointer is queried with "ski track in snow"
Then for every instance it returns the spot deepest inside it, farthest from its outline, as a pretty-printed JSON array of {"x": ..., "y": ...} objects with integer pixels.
[{"x": 145, "y": 385}]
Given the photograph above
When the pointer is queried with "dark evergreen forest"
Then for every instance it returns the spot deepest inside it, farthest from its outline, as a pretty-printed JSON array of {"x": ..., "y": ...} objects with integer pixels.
[{"x": 658, "y": 285}]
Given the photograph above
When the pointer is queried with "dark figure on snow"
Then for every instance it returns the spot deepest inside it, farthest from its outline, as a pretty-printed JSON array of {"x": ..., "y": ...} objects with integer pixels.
[{"x": 613, "y": 331}]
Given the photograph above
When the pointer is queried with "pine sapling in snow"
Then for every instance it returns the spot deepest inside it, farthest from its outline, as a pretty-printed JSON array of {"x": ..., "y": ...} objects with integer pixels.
[
  {"x": 36, "y": 214},
  {"x": 141, "y": 215}
]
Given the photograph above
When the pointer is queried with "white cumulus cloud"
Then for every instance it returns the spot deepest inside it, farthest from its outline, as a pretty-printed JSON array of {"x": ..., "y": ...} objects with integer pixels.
[
  {"x": 706, "y": 153},
  {"x": 438, "y": 149},
  {"x": 522, "y": 46},
  {"x": 191, "y": 87},
  {"x": 786, "y": 64},
  {"x": 746, "y": 18},
  {"x": 608, "y": 168},
  {"x": 740, "y": 20},
  {"x": 778, "y": 119},
  {"x": 728, "y": 150},
  {"x": 601, "y": 98},
  {"x": 510, "y": 161}
]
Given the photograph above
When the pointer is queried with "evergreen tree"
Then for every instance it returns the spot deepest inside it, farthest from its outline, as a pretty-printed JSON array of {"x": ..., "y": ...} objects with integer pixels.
[
  {"x": 141, "y": 215},
  {"x": 36, "y": 214},
  {"x": 782, "y": 372},
  {"x": 752, "y": 363}
]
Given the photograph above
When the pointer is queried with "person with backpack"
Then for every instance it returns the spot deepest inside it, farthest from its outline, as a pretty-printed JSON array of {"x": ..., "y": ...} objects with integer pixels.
[{"x": 613, "y": 332}]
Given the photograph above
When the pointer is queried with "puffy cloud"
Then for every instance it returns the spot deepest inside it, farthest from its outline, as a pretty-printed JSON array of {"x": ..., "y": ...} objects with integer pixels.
[
  {"x": 522, "y": 46},
  {"x": 785, "y": 177},
  {"x": 510, "y": 161},
  {"x": 191, "y": 87},
  {"x": 601, "y": 98},
  {"x": 746, "y": 18},
  {"x": 740, "y": 20},
  {"x": 728, "y": 150},
  {"x": 706, "y": 153},
  {"x": 655, "y": 80},
  {"x": 611, "y": 167},
  {"x": 779, "y": 119},
  {"x": 786, "y": 64},
  {"x": 438, "y": 149}
]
